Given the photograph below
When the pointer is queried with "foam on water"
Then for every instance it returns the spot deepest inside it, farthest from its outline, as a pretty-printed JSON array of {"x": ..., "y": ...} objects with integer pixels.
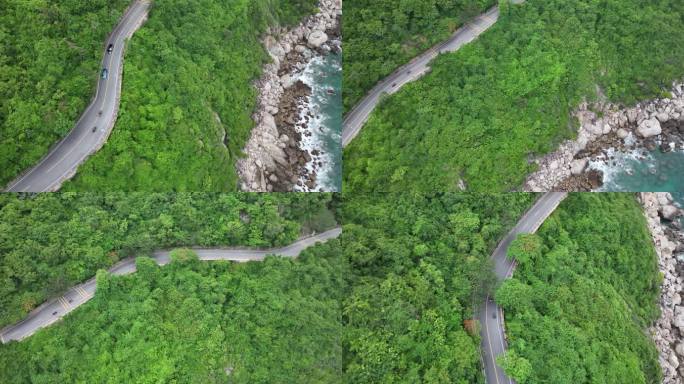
[
  {"x": 635, "y": 172},
  {"x": 324, "y": 74}
]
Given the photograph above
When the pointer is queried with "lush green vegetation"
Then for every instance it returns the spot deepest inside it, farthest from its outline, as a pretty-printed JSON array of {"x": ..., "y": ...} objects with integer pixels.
[
  {"x": 484, "y": 110},
  {"x": 187, "y": 99},
  {"x": 49, "y": 61},
  {"x": 584, "y": 291},
  {"x": 275, "y": 321},
  {"x": 413, "y": 268},
  {"x": 50, "y": 241},
  {"x": 381, "y": 35}
]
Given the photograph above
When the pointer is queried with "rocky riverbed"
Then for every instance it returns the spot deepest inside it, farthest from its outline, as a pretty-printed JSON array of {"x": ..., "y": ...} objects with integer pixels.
[
  {"x": 605, "y": 129},
  {"x": 275, "y": 159},
  {"x": 668, "y": 332}
]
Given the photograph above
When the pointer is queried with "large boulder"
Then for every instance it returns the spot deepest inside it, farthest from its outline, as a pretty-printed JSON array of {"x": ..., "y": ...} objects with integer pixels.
[
  {"x": 679, "y": 318},
  {"x": 578, "y": 166},
  {"x": 649, "y": 128},
  {"x": 316, "y": 38},
  {"x": 669, "y": 212},
  {"x": 622, "y": 133}
]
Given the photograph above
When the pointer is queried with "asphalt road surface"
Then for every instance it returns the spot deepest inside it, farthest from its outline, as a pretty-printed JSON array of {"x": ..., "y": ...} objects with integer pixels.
[
  {"x": 493, "y": 341},
  {"x": 55, "y": 309},
  {"x": 407, "y": 73},
  {"x": 96, "y": 123}
]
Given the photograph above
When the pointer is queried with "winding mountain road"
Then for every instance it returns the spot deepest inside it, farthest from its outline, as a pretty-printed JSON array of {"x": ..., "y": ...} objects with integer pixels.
[
  {"x": 53, "y": 310},
  {"x": 493, "y": 341},
  {"x": 357, "y": 117},
  {"x": 96, "y": 123}
]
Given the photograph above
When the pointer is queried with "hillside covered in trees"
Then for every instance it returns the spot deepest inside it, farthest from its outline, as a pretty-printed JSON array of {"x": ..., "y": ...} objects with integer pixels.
[
  {"x": 486, "y": 110},
  {"x": 48, "y": 242},
  {"x": 381, "y": 35},
  {"x": 413, "y": 268},
  {"x": 187, "y": 99},
  {"x": 49, "y": 61},
  {"x": 275, "y": 321},
  {"x": 584, "y": 291}
]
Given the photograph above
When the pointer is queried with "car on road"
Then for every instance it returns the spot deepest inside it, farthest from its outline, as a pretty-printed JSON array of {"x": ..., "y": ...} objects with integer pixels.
[
  {"x": 104, "y": 73},
  {"x": 54, "y": 313},
  {"x": 94, "y": 129},
  {"x": 110, "y": 48}
]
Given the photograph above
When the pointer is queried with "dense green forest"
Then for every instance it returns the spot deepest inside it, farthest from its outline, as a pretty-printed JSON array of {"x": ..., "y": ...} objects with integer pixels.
[
  {"x": 485, "y": 110},
  {"x": 48, "y": 242},
  {"x": 275, "y": 321},
  {"x": 381, "y": 35},
  {"x": 187, "y": 97},
  {"x": 49, "y": 61},
  {"x": 413, "y": 268},
  {"x": 584, "y": 291},
  {"x": 188, "y": 83}
]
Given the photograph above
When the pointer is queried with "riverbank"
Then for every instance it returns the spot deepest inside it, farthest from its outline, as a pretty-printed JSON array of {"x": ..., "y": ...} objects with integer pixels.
[
  {"x": 277, "y": 158},
  {"x": 663, "y": 217},
  {"x": 607, "y": 135}
]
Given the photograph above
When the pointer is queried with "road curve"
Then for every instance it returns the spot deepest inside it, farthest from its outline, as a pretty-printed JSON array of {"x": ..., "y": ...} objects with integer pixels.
[
  {"x": 356, "y": 118},
  {"x": 63, "y": 159},
  {"x": 53, "y": 310},
  {"x": 493, "y": 342}
]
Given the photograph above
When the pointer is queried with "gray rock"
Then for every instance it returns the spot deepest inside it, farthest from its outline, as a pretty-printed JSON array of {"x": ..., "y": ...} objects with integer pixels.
[
  {"x": 606, "y": 129},
  {"x": 649, "y": 128},
  {"x": 662, "y": 117},
  {"x": 680, "y": 348},
  {"x": 669, "y": 212},
  {"x": 286, "y": 81},
  {"x": 622, "y": 133},
  {"x": 578, "y": 166},
  {"x": 316, "y": 38},
  {"x": 632, "y": 115},
  {"x": 673, "y": 360}
]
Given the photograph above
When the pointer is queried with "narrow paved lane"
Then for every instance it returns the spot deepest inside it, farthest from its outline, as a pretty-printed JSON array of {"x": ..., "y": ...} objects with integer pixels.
[
  {"x": 493, "y": 341},
  {"x": 55, "y": 309},
  {"x": 357, "y": 117},
  {"x": 96, "y": 123}
]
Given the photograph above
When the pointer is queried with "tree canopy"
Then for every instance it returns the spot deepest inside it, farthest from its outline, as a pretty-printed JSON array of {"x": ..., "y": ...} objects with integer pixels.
[
  {"x": 486, "y": 110},
  {"x": 577, "y": 312},
  {"x": 380, "y": 35},
  {"x": 414, "y": 266},
  {"x": 48, "y": 242}
]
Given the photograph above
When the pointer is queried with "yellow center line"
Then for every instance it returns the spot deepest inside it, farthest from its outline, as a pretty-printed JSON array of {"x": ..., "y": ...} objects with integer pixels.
[
  {"x": 80, "y": 292},
  {"x": 64, "y": 302},
  {"x": 477, "y": 29},
  {"x": 84, "y": 292}
]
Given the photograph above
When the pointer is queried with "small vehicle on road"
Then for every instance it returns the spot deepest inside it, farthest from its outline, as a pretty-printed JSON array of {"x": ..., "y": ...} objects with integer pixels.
[
  {"x": 54, "y": 313},
  {"x": 110, "y": 48},
  {"x": 94, "y": 128},
  {"x": 104, "y": 73},
  {"x": 394, "y": 84},
  {"x": 99, "y": 113}
]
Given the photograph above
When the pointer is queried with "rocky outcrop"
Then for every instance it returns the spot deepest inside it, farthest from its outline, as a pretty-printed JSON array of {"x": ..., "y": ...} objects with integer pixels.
[
  {"x": 605, "y": 127},
  {"x": 274, "y": 158},
  {"x": 668, "y": 238}
]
